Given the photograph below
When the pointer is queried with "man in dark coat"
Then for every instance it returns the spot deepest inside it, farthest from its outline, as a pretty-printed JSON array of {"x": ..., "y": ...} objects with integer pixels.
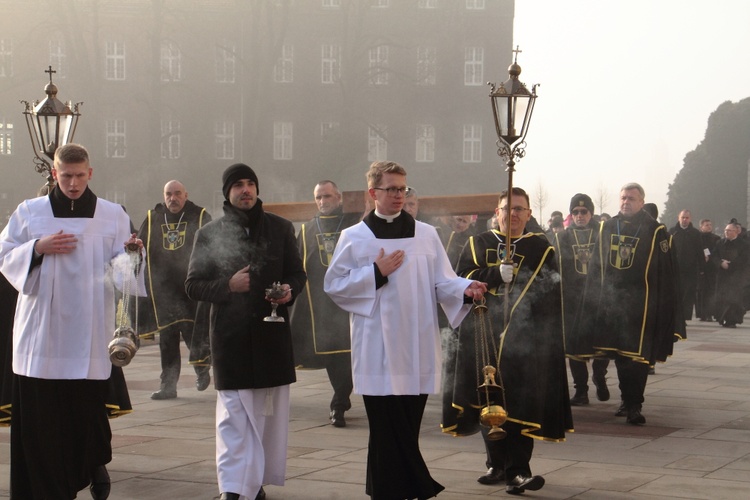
[
  {"x": 574, "y": 248},
  {"x": 630, "y": 306},
  {"x": 235, "y": 260},
  {"x": 688, "y": 249},
  {"x": 167, "y": 233},
  {"x": 730, "y": 258},
  {"x": 320, "y": 328},
  {"x": 705, "y": 299},
  {"x": 531, "y": 364}
]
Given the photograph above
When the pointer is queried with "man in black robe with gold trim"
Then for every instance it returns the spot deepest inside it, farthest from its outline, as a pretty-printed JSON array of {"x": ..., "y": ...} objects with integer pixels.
[
  {"x": 631, "y": 309},
  {"x": 167, "y": 233},
  {"x": 531, "y": 365},
  {"x": 730, "y": 258},
  {"x": 320, "y": 328}
]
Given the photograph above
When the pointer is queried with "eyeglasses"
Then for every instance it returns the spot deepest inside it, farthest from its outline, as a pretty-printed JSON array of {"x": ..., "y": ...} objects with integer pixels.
[
  {"x": 517, "y": 210},
  {"x": 580, "y": 211},
  {"x": 393, "y": 190}
]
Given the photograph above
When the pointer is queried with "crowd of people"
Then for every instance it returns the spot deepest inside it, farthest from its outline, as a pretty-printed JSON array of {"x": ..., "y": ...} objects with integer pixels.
[{"x": 354, "y": 294}]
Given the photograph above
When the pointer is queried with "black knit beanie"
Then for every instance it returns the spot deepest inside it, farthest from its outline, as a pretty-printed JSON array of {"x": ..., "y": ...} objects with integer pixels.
[{"x": 234, "y": 173}]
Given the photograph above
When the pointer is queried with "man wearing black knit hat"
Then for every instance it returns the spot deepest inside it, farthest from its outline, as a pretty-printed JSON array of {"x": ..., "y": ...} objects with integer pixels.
[{"x": 234, "y": 260}]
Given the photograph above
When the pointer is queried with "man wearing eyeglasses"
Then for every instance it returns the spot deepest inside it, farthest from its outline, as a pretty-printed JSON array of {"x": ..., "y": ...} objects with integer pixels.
[
  {"x": 390, "y": 272},
  {"x": 575, "y": 247},
  {"x": 631, "y": 293},
  {"x": 524, "y": 306}
]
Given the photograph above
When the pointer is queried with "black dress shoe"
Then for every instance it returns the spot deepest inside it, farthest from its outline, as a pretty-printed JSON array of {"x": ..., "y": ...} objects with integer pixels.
[
  {"x": 164, "y": 394},
  {"x": 622, "y": 410},
  {"x": 580, "y": 399},
  {"x": 634, "y": 416},
  {"x": 602, "y": 391},
  {"x": 652, "y": 370},
  {"x": 230, "y": 496},
  {"x": 100, "y": 483},
  {"x": 337, "y": 418},
  {"x": 493, "y": 476},
  {"x": 204, "y": 378},
  {"x": 261, "y": 494},
  {"x": 519, "y": 484}
]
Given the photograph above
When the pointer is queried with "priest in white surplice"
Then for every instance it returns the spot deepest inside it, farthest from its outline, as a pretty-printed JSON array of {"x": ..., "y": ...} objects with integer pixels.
[
  {"x": 62, "y": 253},
  {"x": 390, "y": 272}
]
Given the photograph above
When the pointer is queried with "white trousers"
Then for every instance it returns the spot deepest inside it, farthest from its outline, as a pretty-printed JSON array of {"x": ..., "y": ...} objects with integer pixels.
[{"x": 252, "y": 427}]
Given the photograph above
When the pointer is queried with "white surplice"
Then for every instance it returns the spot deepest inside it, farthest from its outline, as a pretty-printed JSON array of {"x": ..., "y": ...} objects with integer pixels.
[
  {"x": 65, "y": 316},
  {"x": 394, "y": 330}
]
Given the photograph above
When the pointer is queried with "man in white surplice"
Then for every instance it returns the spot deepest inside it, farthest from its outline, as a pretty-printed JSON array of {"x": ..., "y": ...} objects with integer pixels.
[
  {"x": 62, "y": 253},
  {"x": 390, "y": 272}
]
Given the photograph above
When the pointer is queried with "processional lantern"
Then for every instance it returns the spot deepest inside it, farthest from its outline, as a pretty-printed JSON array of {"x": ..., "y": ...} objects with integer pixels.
[{"x": 52, "y": 124}]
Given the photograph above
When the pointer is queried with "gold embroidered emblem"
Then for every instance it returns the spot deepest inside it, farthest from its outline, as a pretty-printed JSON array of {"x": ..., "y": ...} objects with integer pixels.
[
  {"x": 174, "y": 235},
  {"x": 622, "y": 251},
  {"x": 326, "y": 246}
]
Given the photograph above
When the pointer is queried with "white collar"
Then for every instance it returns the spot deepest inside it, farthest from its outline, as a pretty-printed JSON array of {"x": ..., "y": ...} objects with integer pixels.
[{"x": 388, "y": 218}]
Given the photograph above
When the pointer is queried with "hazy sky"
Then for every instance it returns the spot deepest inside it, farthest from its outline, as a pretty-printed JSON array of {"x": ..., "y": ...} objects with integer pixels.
[{"x": 626, "y": 90}]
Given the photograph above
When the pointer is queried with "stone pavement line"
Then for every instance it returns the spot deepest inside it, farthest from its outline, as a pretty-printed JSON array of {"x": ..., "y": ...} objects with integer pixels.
[{"x": 695, "y": 444}]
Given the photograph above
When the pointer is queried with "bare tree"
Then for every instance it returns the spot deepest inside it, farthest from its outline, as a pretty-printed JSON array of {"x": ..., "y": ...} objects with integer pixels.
[
  {"x": 540, "y": 199},
  {"x": 602, "y": 197}
]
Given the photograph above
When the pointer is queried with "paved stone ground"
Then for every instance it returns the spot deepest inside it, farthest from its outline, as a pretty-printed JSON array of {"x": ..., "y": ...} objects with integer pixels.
[{"x": 696, "y": 443}]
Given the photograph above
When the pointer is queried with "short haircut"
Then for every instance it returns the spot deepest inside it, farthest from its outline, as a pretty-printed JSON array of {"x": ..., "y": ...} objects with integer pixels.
[
  {"x": 412, "y": 193},
  {"x": 703, "y": 221},
  {"x": 517, "y": 191},
  {"x": 634, "y": 185},
  {"x": 326, "y": 181},
  {"x": 378, "y": 168},
  {"x": 71, "y": 153}
]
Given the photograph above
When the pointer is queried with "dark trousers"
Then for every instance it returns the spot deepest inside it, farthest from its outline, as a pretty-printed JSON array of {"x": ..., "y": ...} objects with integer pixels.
[
  {"x": 339, "y": 369},
  {"x": 633, "y": 377},
  {"x": 705, "y": 296},
  {"x": 580, "y": 372},
  {"x": 689, "y": 284},
  {"x": 395, "y": 467},
  {"x": 511, "y": 454},
  {"x": 59, "y": 434},
  {"x": 169, "y": 347}
]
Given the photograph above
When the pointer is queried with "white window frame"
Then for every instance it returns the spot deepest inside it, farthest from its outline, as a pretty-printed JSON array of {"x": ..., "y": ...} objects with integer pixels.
[
  {"x": 472, "y": 144},
  {"x": 331, "y": 4},
  {"x": 283, "y": 140},
  {"x": 378, "y": 65},
  {"x": 171, "y": 139},
  {"x": 475, "y": 5},
  {"x": 377, "y": 143},
  {"x": 330, "y": 68},
  {"x": 474, "y": 66},
  {"x": 426, "y": 66},
  {"x": 57, "y": 57},
  {"x": 283, "y": 72},
  {"x": 427, "y": 4},
  {"x": 6, "y": 57},
  {"x": 116, "y": 132},
  {"x": 328, "y": 129},
  {"x": 114, "y": 67},
  {"x": 6, "y": 138},
  {"x": 226, "y": 62},
  {"x": 224, "y": 134},
  {"x": 171, "y": 61},
  {"x": 425, "y": 143},
  {"x": 379, "y": 4}
]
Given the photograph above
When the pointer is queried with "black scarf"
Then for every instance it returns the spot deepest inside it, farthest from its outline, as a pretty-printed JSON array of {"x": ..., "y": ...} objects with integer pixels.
[
  {"x": 251, "y": 220},
  {"x": 83, "y": 207}
]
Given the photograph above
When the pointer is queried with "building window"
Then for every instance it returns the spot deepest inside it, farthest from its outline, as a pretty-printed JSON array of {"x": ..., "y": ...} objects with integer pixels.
[
  {"x": 171, "y": 62},
  {"x": 379, "y": 65},
  {"x": 115, "y": 63},
  {"x": 116, "y": 145},
  {"x": 379, "y": 4},
  {"x": 474, "y": 66},
  {"x": 57, "y": 58},
  {"x": 331, "y": 64},
  {"x": 171, "y": 139},
  {"x": 426, "y": 65},
  {"x": 425, "y": 143},
  {"x": 225, "y": 140},
  {"x": 328, "y": 131},
  {"x": 282, "y": 140},
  {"x": 377, "y": 143},
  {"x": 225, "y": 62},
  {"x": 475, "y": 4},
  {"x": 331, "y": 4},
  {"x": 6, "y": 138},
  {"x": 427, "y": 4},
  {"x": 283, "y": 72},
  {"x": 6, "y": 57},
  {"x": 472, "y": 143}
]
